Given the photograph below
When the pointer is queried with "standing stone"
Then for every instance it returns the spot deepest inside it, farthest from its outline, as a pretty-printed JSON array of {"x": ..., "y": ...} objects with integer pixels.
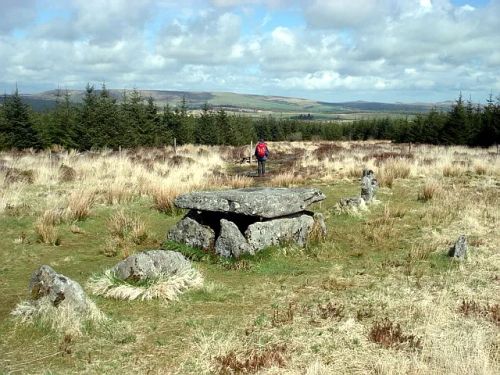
[
  {"x": 459, "y": 249},
  {"x": 150, "y": 264},
  {"x": 274, "y": 232},
  {"x": 59, "y": 289},
  {"x": 368, "y": 185},
  {"x": 192, "y": 233},
  {"x": 230, "y": 241}
]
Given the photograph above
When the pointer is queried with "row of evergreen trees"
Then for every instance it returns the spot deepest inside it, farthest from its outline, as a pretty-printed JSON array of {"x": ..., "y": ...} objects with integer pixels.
[{"x": 100, "y": 121}]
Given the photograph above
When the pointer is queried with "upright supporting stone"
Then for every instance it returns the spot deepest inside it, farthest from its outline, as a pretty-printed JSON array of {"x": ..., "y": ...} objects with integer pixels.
[
  {"x": 278, "y": 231},
  {"x": 230, "y": 241},
  {"x": 459, "y": 249},
  {"x": 192, "y": 233}
]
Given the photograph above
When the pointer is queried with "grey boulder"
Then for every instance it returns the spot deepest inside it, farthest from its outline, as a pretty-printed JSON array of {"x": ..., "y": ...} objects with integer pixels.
[
  {"x": 57, "y": 288},
  {"x": 262, "y": 202},
  {"x": 192, "y": 233},
  {"x": 274, "y": 232},
  {"x": 459, "y": 249},
  {"x": 150, "y": 264},
  {"x": 231, "y": 241}
]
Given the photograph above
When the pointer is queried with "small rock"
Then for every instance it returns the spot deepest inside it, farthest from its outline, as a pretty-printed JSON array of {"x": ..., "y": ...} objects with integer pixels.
[
  {"x": 231, "y": 241},
  {"x": 59, "y": 289},
  {"x": 351, "y": 205},
  {"x": 150, "y": 264},
  {"x": 192, "y": 233},
  {"x": 459, "y": 249}
]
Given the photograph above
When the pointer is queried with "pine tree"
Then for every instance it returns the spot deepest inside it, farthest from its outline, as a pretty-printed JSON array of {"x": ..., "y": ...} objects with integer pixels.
[
  {"x": 455, "y": 130},
  {"x": 18, "y": 127},
  {"x": 108, "y": 126},
  {"x": 63, "y": 123},
  {"x": 86, "y": 130}
]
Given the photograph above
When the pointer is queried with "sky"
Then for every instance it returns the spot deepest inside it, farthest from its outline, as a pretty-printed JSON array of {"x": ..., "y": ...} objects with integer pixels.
[{"x": 383, "y": 50}]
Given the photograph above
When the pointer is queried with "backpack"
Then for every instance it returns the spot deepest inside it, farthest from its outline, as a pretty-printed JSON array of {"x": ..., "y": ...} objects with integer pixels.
[{"x": 261, "y": 150}]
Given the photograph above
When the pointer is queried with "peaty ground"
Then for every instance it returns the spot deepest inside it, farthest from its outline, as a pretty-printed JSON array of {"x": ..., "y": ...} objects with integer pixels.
[{"x": 379, "y": 295}]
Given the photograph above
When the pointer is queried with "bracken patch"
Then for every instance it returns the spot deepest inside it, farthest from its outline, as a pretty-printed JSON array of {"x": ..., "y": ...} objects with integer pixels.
[
  {"x": 390, "y": 335},
  {"x": 251, "y": 361}
]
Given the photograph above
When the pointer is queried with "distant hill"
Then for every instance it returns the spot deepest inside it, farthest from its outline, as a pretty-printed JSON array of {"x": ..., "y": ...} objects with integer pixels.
[{"x": 249, "y": 104}]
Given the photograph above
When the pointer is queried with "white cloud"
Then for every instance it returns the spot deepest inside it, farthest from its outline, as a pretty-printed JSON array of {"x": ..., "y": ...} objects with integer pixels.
[{"x": 355, "y": 46}]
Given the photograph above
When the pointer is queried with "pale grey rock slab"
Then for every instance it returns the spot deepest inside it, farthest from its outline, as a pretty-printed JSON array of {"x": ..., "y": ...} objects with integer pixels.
[{"x": 262, "y": 202}]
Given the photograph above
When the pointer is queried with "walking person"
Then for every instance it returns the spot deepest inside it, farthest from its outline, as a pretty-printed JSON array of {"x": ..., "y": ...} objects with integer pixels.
[{"x": 261, "y": 153}]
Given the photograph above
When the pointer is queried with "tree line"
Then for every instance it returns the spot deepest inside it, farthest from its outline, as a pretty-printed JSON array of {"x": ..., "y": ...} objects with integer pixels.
[{"x": 101, "y": 121}]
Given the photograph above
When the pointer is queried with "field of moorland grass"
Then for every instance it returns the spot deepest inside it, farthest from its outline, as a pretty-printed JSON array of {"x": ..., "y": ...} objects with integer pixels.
[{"x": 378, "y": 295}]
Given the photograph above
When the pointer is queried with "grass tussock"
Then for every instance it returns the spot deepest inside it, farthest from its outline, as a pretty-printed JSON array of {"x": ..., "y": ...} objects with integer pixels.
[
  {"x": 46, "y": 227},
  {"x": 166, "y": 287},
  {"x": 80, "y": 203},
  {"x": 64, "y": 318},
  {"x": 127, "y": 227},
  {"x": 286, "y": 179},
  {"x": 429, "y": 190},
  {"x": 392, "y": 170},
  {"x": 163, "y": 199},
  {"x": 453, "y": 170}
]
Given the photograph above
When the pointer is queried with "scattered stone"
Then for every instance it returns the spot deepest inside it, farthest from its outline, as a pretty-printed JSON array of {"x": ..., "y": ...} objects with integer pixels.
[
  {"x": 231, "y": 241},
  {"x": 368, "y": 185},
  {"x": 351, "y": 205},
  {"x": 278, "y": 231},
  {"x": 45, "y": 282},
  {"x": 459, "y": 249},
  {"x": 261, "y": 202},
  {"x": 66, "y": 173},
  {"x": 14, "y": 175},
  {"x": 152, "y": 274},
  {"x": 149, "y": 265},
  {"x": 58, "y": 301},
  {"x": 192, "y": 233}
]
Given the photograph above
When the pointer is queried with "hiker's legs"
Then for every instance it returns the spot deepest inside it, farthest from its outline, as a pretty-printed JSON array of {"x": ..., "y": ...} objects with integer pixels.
[
  {"x": 263, "y": 167},
  {"x": 260, "y": 167}
]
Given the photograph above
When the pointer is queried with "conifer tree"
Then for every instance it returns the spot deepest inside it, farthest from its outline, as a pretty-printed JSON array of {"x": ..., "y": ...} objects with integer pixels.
[
  {"x": 18, "y": 127},
  {"x": 63, "y": 122}
]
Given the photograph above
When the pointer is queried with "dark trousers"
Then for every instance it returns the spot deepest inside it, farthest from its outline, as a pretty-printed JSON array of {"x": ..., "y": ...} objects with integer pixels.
[{"x": 261, "y": 167}]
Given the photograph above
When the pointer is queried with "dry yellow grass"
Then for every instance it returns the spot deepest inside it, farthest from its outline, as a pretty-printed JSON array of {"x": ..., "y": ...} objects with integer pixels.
[{"x": 323, "y": 303}]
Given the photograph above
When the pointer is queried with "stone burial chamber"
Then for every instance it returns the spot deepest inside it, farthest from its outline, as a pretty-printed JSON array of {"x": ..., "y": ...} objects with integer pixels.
[{"x": 244, "y": 221}]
